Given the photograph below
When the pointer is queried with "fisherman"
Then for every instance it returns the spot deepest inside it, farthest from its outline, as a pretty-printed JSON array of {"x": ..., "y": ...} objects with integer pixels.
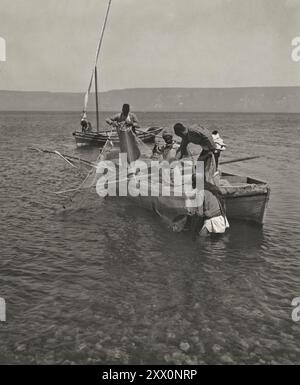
[
  {"x": 89, "y": 127},
  {"x": 220, "y": 146},
  {"x": 84, "y": 121},
  {"x": 206, "y": 213},
  {"x": 168, "y": 149},
  {"x": 126, "y": 117},
  {"x": 201, "y": 136},
  {"x": 214, "y": 216}
]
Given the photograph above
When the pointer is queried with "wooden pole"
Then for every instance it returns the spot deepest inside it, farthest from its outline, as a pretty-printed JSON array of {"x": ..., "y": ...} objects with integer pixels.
[
  {"x": 239, "y": 160},
  {"x": 96, "y": 95}
]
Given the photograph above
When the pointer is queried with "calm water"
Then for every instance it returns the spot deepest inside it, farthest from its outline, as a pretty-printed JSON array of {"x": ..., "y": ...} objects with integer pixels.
[{"x": 105, "y": 282}]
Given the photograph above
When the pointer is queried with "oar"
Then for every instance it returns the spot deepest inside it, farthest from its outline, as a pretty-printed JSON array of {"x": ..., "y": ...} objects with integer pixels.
[
  {"x": 64, "y": 155},
  {"x": 65, "y": 159},
  {"x": 145, "y": 132},
  {"x": 239, "y": 159}
]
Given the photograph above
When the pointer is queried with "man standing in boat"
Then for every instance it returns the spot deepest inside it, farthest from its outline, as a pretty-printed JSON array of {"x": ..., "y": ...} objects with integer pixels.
[
  {"x": 83, "y": 121},
  {"x": 221, "y": 146},
  {"x": 126, "y": 117}
]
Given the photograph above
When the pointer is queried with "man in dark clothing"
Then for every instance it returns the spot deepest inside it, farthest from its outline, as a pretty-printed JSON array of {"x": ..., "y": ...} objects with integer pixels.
[
  {"x": 201, "y": 136},
  {"x": 196, "y": 135},
  {"x": 84, "y": 121}
]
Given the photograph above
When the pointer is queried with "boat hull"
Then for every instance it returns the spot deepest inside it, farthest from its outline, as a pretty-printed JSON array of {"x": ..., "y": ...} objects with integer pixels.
[
  {"x": 247, "y": 208},
  {"x": 98, "y": 139},
  {"x": 245, "y": 199}
]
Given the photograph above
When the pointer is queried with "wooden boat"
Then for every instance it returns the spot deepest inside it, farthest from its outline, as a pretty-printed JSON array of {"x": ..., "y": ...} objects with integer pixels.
[
  {"x": 245, "y": 199},
  {"x": 98, "y": 139}
]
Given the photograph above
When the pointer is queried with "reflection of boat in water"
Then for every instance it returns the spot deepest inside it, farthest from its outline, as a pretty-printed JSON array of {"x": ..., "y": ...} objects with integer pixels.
[
  {"x": 245, "y": 236},
  {"x": 98, "y": 139}
]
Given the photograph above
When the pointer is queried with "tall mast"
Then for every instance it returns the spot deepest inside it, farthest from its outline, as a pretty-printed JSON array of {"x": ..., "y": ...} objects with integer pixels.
[
  {"x": 94, "y": 73},
  {"x": 96, "y": 96}
]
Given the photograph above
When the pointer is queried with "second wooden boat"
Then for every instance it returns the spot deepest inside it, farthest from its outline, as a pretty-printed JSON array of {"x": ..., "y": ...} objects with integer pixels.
[{"x": 98, "y": 139}]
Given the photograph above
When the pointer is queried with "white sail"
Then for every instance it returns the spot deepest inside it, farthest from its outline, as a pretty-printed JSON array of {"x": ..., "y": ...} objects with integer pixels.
[{"x": 86, "y": 98}]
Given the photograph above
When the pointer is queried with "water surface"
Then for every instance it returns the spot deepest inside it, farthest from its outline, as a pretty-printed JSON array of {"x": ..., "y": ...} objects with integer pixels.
[{"x": 105, "y": 282}]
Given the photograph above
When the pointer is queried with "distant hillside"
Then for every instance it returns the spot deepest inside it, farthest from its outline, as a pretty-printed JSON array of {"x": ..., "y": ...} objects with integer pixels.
[{"x": 255, "y": 99}]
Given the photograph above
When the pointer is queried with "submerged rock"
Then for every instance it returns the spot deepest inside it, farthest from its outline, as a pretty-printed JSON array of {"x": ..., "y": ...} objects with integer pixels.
[
  {"x": 195, "y": 339},
  {"x": 226, "y": 359},
  {"x": 191, "y": 361},
  {"x": 167, "y": 358},
  {"x": 82, "y": 347},
  {"x": 201, "y": 347},
  {"x": 178, "y": 358},
  {"x": 21, "y": 348},
  {"x": 244, "y": 344},
  {"x": 217, "y": 348},
  {"x": 99, "y": 346},
  {"x": 185, "y": 346},
  {"x": 171, "y": 336}
]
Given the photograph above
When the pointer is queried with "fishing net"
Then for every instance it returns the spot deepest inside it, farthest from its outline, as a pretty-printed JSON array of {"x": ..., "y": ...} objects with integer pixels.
[
  {"x": 128, "y": 143},
  {"x": 145, "y": 150},
  {"x": 79, "y": 196}
]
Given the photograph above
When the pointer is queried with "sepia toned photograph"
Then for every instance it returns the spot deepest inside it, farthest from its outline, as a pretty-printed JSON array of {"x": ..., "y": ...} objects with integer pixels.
[{"x": 149, "y": 185}]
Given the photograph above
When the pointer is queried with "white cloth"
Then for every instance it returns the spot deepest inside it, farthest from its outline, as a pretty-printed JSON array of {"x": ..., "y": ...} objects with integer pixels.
[
  {"x": 216, "y": 224},
  {"x": 219, "y": 142}
]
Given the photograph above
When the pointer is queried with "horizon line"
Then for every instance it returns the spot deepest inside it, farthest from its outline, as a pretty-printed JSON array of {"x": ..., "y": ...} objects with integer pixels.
[
  {"x": 150, "y": 88},
  {"x": 161, "y": 111}
]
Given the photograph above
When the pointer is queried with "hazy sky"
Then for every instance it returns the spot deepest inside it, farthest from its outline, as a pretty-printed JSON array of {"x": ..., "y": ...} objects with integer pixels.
[{"x": 149, "y": 43}]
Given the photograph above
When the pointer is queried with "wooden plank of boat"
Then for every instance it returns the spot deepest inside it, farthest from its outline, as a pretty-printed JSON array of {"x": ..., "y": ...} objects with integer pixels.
[
  {"x": 245, "y": 198},
  {"x": 99, "y": 138}
]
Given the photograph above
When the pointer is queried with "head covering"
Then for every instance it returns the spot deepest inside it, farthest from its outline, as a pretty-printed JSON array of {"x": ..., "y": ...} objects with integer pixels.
[
  {"x": 179, "y": 129},
  {"x": 167, "y": 133},
  {"x": 126, "y": 108}
]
